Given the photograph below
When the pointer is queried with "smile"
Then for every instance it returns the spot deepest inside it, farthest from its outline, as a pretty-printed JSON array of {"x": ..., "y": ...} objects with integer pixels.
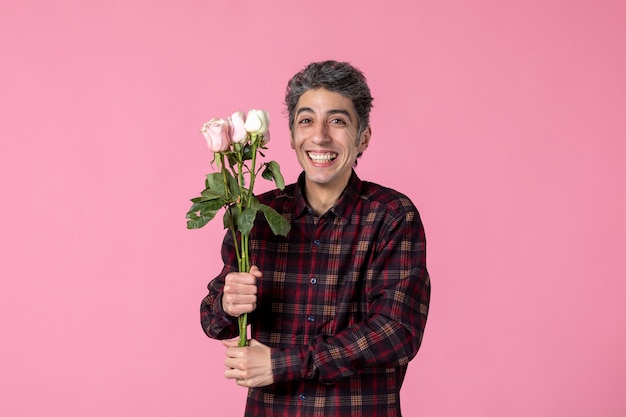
[{"x": 322, "y": 157}]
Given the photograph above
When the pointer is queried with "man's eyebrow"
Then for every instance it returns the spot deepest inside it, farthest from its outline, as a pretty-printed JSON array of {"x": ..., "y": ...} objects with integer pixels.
[
  {"x": 328, "y": 113},
  {"x": 303, "y": 109},
  {"x": 339, "y": 111}
]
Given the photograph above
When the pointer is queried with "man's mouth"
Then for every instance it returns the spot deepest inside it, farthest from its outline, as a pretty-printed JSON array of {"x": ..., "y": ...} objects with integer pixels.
[{"x": 321, "y": 156}]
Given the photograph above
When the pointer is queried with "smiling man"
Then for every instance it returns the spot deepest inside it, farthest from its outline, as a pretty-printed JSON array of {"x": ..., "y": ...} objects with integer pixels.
[
  {"x": 327, "y": 139},
  {"x": 338, "y": 307}
]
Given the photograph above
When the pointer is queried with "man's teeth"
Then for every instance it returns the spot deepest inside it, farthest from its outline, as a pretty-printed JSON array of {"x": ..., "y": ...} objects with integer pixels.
[{"x": 322, "y": 157}]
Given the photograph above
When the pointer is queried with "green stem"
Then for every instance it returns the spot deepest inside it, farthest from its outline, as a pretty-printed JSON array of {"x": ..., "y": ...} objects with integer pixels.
[
  {"x": 241, "y": 181},
  {"x": 244, "y": 266},
  {"x": 242, "y": 254},
  {"x": 224, "y": 177},
  {"x": 243, "y": 261},
  {"x": 231, "y": 225},
  {"x": 243, "y": 331},
  {"x": 245, "y": 199},
  {"x": 233, "y": 231},
  {"x": 255, "y": 145}
]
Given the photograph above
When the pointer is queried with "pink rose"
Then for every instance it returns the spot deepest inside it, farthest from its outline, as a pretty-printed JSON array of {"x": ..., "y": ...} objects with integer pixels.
[
  {"x": 238, "y": 124},
  {"x": 217, "y": 133}
]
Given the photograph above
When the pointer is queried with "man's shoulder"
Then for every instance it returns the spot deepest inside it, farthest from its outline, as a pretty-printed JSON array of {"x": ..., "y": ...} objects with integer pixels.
[
  {"x": 376, "y": 192},
  {"x": 393, "y": 200}
]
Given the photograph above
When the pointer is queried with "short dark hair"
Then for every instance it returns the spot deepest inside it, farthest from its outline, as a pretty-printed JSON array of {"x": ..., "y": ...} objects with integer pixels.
[{"x": 339, "y": 77}]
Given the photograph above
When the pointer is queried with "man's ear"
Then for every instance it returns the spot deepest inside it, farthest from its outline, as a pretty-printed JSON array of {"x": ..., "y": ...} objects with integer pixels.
[
  {"x": 291, "y": 141},
  {"x": 364, "y": 140}
]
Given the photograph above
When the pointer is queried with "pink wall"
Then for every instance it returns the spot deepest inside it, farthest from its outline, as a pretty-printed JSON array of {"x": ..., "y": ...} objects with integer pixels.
[{"x": 504, "y": 121}]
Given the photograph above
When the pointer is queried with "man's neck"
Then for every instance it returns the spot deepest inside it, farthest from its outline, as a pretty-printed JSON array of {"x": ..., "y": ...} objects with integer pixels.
[{"x": 321, "y": 198}]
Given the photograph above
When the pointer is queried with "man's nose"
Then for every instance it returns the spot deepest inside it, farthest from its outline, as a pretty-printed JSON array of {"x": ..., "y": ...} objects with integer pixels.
[{"x": 320, "y": 135}]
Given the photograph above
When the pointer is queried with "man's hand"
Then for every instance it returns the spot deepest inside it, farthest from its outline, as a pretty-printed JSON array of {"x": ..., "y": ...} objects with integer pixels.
[
  {"x": 240, "y": 292},
  {"x": 249, "y": 366}
]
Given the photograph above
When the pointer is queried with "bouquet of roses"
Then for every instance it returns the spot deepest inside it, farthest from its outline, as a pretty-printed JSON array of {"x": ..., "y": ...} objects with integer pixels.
[{"x": 236, "y": 142}]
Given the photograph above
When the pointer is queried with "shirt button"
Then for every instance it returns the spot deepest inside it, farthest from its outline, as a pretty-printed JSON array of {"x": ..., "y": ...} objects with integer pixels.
[
  {"x": 313, "y": 280},
  {"x": 310, "y": 319},
  {"x": 316, "y": 242},
  {"x": 302, "y": 397}
]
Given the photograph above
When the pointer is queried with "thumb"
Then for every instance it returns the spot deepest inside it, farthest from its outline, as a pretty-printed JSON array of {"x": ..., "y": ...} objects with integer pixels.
[
  {"x": 254, "y": 342},
  {"x": 230, "y": 342},
  {"x": 254, "y": 270}
]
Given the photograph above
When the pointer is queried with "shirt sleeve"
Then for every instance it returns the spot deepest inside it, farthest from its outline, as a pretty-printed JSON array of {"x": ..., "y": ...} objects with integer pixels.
[
  {"x": 215, "y": 322},
  {"x": 398, "y": 290}
]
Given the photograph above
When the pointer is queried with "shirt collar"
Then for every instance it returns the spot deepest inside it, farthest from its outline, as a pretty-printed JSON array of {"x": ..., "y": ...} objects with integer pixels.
[{"x": 343, "y": 207}]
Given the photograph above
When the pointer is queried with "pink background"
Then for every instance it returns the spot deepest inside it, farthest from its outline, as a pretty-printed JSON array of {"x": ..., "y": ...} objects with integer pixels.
[{"x": 504, "y": 121}]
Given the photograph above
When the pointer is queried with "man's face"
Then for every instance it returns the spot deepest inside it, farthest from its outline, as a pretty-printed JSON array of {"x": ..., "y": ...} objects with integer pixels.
[{"x": 325, "y": 139}]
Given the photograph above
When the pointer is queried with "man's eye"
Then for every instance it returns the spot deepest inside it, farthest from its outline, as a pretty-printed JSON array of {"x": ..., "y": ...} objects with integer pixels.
[
  {"x": 338, "y": 121},
  {"x": 304, "y": 121}
]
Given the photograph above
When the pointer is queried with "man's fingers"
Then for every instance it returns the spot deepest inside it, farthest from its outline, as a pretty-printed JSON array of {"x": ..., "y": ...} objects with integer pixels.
[
  {"x": 236, "y": 288},
  {"x": 249, "y": 366},
  {"x": 239, "y": 278}
]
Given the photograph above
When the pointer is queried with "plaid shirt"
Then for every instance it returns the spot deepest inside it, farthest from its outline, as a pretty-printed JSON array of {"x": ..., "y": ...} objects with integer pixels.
[{"x": 342, "y": 302}]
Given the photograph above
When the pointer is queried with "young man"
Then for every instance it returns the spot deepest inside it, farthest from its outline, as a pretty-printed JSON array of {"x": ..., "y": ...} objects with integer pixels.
[{"x": 338, "y": 307}]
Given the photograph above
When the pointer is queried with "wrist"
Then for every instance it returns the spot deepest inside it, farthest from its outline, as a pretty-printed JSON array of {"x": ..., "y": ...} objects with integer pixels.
[{"x": 286, "y": 364}]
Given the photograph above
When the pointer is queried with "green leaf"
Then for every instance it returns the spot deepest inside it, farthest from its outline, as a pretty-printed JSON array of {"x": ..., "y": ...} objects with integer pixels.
[
  {"x": 198, "y": 219},
  {"x": 233, "y": 187},
  {"x": 225, "y": 188},
  {"x": 199, "y": 222},
  {"x": 202, "y": 212},
  {"x": 246, "y": 220},
  {"x": 278, "y": 224},
  {"x": 247, "y": 153},
  {"x": 231, "y": 215},
  {"x": 206, "y": 195},
  {"x": 272, "y": 172},
  {"x": 209, "y": 194},
  {"x": 215, "y": 183},
  {"x": 201, "y": 206}
]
